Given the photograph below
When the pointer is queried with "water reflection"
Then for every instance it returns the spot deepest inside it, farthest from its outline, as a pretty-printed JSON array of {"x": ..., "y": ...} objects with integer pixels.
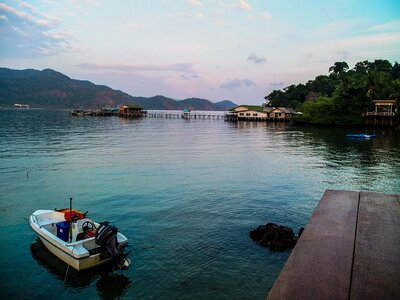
[
  {"x": 365, "y": 164},
  {"x": 252, "y": 124},
  {"x": 333, "y": 145},
  {"x": 112, "y": 286},
  {"x": 109, "y": 283}
]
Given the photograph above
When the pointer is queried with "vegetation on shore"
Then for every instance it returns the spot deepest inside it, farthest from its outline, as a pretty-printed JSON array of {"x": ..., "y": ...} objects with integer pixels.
[{"x": 341, "y": 97}]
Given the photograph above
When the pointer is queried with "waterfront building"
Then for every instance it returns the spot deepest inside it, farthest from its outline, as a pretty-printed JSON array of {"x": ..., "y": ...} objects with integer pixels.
[
  {"x": 385, "y": 113},
  {"x": 250, "y": 113},
  {"x": 281, "y": 113},
  {"x": 131, "y": 111},
  {"x": 259, "y": 113}
]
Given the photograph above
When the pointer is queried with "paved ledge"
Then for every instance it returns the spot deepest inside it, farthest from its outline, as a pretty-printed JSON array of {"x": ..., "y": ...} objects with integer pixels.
[{"x": 350, "y": 249}]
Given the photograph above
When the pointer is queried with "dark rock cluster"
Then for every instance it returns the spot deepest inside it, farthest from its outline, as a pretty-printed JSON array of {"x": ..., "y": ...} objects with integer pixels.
[{"x": 275, "y": 237}]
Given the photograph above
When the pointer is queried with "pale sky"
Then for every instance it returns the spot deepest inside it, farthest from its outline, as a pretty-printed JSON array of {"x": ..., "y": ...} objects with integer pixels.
[{"x": 238, "y": 50}]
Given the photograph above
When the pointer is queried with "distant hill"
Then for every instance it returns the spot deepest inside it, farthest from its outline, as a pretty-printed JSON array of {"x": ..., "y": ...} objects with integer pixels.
[
  {"x": 161, "y": 102},
  {"x": 51, "y": 89},
  {"x": 156, "y": 102},
  {"x": 225, "y": 105}
]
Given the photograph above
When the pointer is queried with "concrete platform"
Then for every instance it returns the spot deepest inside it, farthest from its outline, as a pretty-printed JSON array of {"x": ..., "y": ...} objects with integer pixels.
[{"x": 350, "y": 249}]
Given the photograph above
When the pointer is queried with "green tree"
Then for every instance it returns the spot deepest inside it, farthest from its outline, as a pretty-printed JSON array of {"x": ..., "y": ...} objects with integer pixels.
[
  {"x": 339, "y": 68},
  {"x": 396, "y": 90},
  {"x": 341, "y": 97},
  {"x": 378, "y": 85},
  {"x": 381, "y": 65},
  {"x": 395, "y": 72},
  {"x": 322, "y": 85},
  {"x": 362, "y": 67},
  {"x": 320, "y": 111}
]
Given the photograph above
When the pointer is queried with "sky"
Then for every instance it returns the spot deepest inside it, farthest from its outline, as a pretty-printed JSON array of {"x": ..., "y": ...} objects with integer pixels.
[{"x": 237, "y": 50}]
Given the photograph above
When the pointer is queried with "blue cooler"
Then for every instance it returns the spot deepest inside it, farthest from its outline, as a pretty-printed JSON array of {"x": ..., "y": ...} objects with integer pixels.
[{"x": 63, "y": 230}]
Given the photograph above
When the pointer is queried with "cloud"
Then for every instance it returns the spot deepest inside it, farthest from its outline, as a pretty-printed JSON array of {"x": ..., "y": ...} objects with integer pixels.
[
  {"x": 32, "y": 15},
  {"x": 343, "y": 54},
  {"x": 255, "y": 59},
  {"x": 232, "y": 84},
  {"x": 176, "y": 15},
  {"x": 182, "y": 68},
  {"x": 276, "y": 84},
  {"x": 385, "y": 27},
  {"x": 78, "y": 3},
  {"x": 265, "y": 15},
  {"x": 195, "y": 2},
  {"x": 26, "y": 32},
  {"x": 368, "y": 46},
  {"x": 133, "y": 25},
  {"x": 189, "y": 76},
  {"x": 337, "y": 29},
  {"x": 241, "y": 4},
  {"x": 351, "y": 41}
]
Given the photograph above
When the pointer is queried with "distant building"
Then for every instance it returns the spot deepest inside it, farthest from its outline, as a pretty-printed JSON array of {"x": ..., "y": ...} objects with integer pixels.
[
  {"x": 259, "y": 113},
  {"x": 131, "y": 111},
  {"x": 186, "y": 113},
  {"x": 250, "y": 113},
  {"x": 280, "y": 113},
  {"x": 385, "y": 113},
  {"x": 384, "y": 108}
]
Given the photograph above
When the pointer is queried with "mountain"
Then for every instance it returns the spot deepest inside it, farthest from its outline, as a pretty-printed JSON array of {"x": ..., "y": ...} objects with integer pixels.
[
  {"x": 225, "y": 105},
  {"x": 156, "y": 102},
  {"x": 161, "y": 102},
  {"x": 51, "y": 89},
  {"x": 8, "y": 73}
]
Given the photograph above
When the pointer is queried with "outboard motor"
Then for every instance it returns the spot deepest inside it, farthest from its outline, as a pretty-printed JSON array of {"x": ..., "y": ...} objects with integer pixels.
[{"x": 106, "y": 237}]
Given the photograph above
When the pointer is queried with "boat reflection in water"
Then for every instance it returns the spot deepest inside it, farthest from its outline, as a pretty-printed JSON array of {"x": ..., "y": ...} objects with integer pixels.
[{"x": 109, "y": 284}]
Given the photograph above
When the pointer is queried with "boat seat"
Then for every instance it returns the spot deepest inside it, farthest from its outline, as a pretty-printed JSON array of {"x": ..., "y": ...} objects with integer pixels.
[
  {"x": 85, "y": 235},
  {"x": 48, "y": 222},
  {"x": 79, "y": 223},
  {"x": 78, "y": 231},
  {"x": 48, "y": 218}
]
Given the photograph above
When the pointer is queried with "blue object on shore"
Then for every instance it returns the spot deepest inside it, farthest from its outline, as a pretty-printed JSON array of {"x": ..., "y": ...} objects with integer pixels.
[{"x": 360, "y": 135}]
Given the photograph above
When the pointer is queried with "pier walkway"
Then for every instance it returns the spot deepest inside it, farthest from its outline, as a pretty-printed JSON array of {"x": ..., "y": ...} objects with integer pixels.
[
  {"x": 191, "y": 115},
  {"x": 350, "y": 249}
]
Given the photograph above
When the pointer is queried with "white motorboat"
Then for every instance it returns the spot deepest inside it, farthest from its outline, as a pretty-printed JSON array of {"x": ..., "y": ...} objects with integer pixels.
[{"x": 79, "y": 241}]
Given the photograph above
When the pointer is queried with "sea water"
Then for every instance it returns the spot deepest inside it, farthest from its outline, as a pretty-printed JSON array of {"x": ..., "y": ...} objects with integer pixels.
[{"x": 186, "y": 193}]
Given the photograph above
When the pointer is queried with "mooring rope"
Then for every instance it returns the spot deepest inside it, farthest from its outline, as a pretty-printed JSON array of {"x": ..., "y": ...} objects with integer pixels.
[{"x": 66, "y": 273}]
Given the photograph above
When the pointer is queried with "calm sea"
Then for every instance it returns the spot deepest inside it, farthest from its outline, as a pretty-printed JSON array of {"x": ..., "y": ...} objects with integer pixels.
[{"x": 185, "y": 192}]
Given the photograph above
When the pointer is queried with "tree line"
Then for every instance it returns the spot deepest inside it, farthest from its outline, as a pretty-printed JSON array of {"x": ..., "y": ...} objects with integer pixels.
[{"x": 342, "y": 96}]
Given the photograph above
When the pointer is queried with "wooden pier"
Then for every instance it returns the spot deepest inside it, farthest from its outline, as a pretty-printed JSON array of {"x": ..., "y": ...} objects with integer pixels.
[
  {"x": 350, "y": 249},
  {"x": 183, "y": 115}
]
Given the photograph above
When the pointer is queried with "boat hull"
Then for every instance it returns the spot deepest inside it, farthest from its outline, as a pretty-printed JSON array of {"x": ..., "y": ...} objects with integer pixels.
[
  {"x": 361, "y": 136},
  {"x": 78, "y": 264},
  {"x": 80, "y": 255}
]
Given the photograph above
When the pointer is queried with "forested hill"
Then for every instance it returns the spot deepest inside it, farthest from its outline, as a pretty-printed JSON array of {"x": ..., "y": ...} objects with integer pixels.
[
  {"x": 51, "y": 89},
  {"x": 342, "y": 96},
  {"x": 161, "y": 102}
]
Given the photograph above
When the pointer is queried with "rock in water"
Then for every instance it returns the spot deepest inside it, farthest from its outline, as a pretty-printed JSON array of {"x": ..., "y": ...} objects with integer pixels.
[{"x": 275, "y": 237}]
